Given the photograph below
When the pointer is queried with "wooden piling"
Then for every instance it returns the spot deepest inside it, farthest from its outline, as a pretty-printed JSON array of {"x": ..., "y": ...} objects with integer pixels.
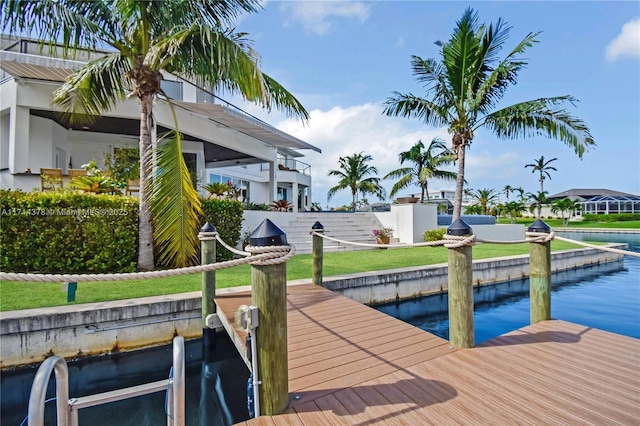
[
  {"x": 460, "y": 282},
  {"x": 318, "y": 253},
  {"x": 539, "y": 275},
  {"x": 269, "y": 295}
]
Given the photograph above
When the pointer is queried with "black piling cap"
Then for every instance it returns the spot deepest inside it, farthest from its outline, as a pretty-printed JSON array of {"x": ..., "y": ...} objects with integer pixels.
[
  {"x": 539, "y": 226},
  {"x": 317, "y": 226},
  {"x": 207, "y": 227},
  {"x": 459, "y": 228},
  {"x": 268, "y": 234}
]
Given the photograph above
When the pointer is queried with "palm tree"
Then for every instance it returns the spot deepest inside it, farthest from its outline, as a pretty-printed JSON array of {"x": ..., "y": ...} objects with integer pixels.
[
  {"x": 521, "y": 194},
  {"x": 425, "y": 167},
  {"x": 537, "y": 201},
  {"x": 486, "y": 198},
  {"x": 355, "y": 174},
  {"x": 565, "y": 205},
  {"x": 543, "y": 167},
  {"x": 465, "y": 86},
  {"x": 189, "y": 38},
  {"x": 508, "y": 189},
  {"x": 514, "y": 209}
]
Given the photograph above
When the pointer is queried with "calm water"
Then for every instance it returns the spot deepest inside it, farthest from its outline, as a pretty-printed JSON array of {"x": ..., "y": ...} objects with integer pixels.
[
  {"x": 605, "y": 297},
  {"x": 209, "y": 386}
]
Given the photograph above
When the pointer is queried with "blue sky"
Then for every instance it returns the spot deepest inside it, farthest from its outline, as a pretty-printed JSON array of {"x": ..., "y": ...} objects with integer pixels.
[{"x": 344, "y": 59}]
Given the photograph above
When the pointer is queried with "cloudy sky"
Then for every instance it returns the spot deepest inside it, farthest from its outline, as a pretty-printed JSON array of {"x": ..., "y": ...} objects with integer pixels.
[{"x": 342, "y": 60}]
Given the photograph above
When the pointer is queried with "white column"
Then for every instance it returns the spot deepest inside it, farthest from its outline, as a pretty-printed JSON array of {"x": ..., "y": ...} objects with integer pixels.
[
  {"x": 273, "y": 183},
  {"x": 294, "y": 189},
  {"x": 19, "y": 140}
]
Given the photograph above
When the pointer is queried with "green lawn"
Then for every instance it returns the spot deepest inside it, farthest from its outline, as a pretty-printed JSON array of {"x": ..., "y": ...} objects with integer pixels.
[{"x": 25, "y": 295}]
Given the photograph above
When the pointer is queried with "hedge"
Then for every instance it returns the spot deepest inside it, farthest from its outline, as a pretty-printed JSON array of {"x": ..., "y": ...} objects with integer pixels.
[
  {"x": 618, "y": 217},
  {"x": 66, "y": 232},
  {"x": 226, "y": 216},
  {"x": 71, "y": 232}
]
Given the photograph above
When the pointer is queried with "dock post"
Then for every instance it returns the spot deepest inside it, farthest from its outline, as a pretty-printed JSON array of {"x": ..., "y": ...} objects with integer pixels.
[
  {"x": 540, "y": 274},
  {"x": 317, "y": 248},
  {"x": 207, "y": 238},
  {"x": 461, "y": 331},
  {"x": 269, "y": 295}
]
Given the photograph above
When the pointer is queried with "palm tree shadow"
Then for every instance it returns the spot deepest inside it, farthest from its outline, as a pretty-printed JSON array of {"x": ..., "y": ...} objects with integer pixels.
[
  {"x": 398, "y": 398},
  {"x": 522, "y": 337}
]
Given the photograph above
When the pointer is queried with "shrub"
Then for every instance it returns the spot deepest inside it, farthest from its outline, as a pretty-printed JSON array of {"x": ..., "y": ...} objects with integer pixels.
[
  {"x": 620, "y": 217},
  {"x": 226, "y": 216},
  {"x": 434, "y": 234},
  {"x": 66, "y": 232}
]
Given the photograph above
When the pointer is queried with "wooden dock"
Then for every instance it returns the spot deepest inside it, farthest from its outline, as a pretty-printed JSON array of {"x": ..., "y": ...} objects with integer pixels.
[{"x": 352, "y": 365}]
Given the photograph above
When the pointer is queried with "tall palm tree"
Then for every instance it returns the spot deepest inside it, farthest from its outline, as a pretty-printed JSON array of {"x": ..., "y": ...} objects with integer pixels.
[
  {"x": 543, "y": 167},
  {"x": 508, "y": 189},
  {"x": 465, "y": 86},
  {"x": 514, "y": 209},
  {"x": 190, "y": 38},
  {"x": 358, "y": 176},
  {"x": 486, "y": 198},
  {"x": 426, "y": 163}
]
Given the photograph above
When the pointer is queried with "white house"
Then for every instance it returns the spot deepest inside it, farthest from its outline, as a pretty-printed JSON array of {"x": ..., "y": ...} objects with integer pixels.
[{"x": 221, "y": 142}]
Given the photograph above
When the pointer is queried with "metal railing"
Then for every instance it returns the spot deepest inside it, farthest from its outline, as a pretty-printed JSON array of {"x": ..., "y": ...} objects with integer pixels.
[
  {"x": 290, "y": 165},
  {"x": 67, "y": 409}
]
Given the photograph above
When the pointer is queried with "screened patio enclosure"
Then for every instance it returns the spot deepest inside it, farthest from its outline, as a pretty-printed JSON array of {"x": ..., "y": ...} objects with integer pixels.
[{"x": 610, "y": 204}]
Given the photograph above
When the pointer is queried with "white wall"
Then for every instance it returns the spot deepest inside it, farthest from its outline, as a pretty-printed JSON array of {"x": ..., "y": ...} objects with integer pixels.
[{"x": 4, "y": 140}]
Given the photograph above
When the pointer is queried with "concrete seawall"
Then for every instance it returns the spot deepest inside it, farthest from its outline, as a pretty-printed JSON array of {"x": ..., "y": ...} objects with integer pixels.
[{"x": 30, "y": 336}]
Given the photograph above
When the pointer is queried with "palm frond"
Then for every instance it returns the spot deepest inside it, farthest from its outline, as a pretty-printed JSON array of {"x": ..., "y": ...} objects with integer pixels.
[
  {"x": 539, "y": 118},
  {"x": 175, "y": 206},
  {"x": 410, "y": 106},
  {"x": 97, "y": 87}
]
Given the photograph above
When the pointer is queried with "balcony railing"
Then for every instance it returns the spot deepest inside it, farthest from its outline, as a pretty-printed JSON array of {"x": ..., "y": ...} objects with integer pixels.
[{"x": 290, "y": 165}]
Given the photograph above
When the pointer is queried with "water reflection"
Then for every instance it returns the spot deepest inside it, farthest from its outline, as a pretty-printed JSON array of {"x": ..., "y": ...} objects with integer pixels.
[{"x": 603, "y": 296}]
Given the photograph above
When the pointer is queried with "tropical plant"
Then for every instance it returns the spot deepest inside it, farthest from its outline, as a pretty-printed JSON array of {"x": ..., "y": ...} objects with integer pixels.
[
  {"x": 280, "y": 206},
  {"x": 566, "y": 205},
  {"x": 383, "y": 233},
  {"x": 467, "y": 83},
  {"x": 189, "y": 38},
  {"x": 543, "y": 168},
  {"x": 124, "y": 164},
  {"x": 358, "y": 176},
  {"x": 485, "y": 198},
  {"x": 513, "y": 209},
  {"x": 425, "y": 166},
  {"x": 537, "y": 201},
  {"x": 97, "y": 184},
  {"x": 473, "y": 209},
  {"x": 220, "y": 190}
]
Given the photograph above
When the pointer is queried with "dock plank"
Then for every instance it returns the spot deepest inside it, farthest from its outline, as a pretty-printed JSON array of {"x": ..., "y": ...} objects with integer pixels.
[{"x": 350, "y": 364}]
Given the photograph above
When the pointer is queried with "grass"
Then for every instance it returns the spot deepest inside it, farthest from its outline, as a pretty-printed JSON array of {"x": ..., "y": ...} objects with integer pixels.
[
  {"x": 26, "y": 295},
  {"x": 557, "y": 223}
]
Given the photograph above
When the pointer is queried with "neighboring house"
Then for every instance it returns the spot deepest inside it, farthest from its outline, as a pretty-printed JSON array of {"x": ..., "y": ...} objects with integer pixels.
[
  {"x": 221, "y": 143},
  {"x": 601, "y": 201}
]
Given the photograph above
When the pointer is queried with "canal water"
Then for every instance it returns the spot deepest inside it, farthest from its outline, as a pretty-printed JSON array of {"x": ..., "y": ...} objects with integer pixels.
[
  {"x": 605, "y": 296},
  {"x": 216, "y": 389}
]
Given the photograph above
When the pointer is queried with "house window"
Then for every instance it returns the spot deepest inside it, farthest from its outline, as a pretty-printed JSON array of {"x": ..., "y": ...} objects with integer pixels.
[
  {"x": 61, "y": 159},
  {"x": 172, "y": 89},
  {"x": 205, "y": 96}
]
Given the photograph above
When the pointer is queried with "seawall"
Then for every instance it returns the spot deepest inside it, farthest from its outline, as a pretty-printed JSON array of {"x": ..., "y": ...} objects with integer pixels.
[{"x": 30, "y": 336}]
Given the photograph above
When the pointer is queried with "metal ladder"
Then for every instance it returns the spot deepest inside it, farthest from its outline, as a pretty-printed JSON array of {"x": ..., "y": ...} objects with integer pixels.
[{"x": 67, "y": 409}]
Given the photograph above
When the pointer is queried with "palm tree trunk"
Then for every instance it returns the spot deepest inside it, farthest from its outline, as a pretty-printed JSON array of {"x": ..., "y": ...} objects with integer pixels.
[
  {"x": 457, "y": 202},
  {"x": 145, "y": 236}
]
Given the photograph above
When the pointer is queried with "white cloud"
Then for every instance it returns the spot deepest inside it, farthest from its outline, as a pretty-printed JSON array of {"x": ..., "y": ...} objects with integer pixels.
[
  {"x": 627, "y": 43},
  {"x": 319, "y": 16},
  {"x": 345, "y": 131}
]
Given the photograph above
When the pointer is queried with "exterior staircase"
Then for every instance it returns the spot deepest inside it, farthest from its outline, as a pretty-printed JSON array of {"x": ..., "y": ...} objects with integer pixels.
[{"x": 356, "y": 227}]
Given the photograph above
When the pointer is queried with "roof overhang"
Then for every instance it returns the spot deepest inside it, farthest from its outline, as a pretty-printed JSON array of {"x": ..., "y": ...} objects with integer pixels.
[
  {"x": 22, "y": 65},
  {"x": 244, "y": 123}
]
